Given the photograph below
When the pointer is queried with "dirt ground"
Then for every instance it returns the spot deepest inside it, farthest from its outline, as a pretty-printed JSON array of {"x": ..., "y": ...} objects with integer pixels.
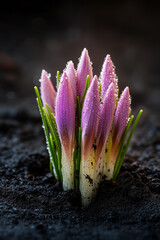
[{"x": 34, "y": 206}]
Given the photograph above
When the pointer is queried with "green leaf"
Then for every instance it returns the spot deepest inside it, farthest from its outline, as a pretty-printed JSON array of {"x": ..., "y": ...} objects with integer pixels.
[
  {"x": 76, "y": 180},
  {"x": 79, "y": 108},
  {"x": 54, "y": 160},
  {"x": 58, "y": 78},
  {"x": 51, "y": 168},
  {"x": 77, "y": 152},
  {"x": 122, "y": 145},
  {"x": 54, "y": 126},
  {"x": 55, "y": 139},
  {"x": 79, "y": 148},
  {"x": 100, "y": 87},
  {"x": 77, "y": 159},
  {"x": 127, "y": 144},
  {"x": 85, "y": 91},
  {"x": 80, "y": 104},
  {"x": 45, "y": 127}
]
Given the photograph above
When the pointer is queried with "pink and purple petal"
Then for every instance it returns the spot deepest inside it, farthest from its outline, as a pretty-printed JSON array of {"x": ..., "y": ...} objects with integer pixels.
[
  {"x": 121, "y": 115},
  {"x": 72, "y": 78},
  {"x": 90, "y": 117},
  {"x": 48, "y": 93},
  {"x": 65, "y": 114},
  {"x": 107, "y": 109},
  {"x": 107, "y": 76},
  {"x": 83, "y": 70}
]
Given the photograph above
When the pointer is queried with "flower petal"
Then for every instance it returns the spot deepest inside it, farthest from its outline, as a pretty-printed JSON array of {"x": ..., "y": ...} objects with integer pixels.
[
  {"x": 65, "y": 118},
  {"x": 72, "y": 78},
  {"x": 48, "y": 93},
  {"x": 121, "y": 115},
  {"x": 65, "y": 114},
  {"x": 119, "y": 126},
  {"x": 107, "y": 76},
  {"x": 107, "y": 109},
  {"x": 83, "y": 70},
  {"x": 90, "y": 117},
  {"x": 89, "y": 126}
]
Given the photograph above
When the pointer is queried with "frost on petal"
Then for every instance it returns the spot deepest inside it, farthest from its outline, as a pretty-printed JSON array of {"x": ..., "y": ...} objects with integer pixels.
[
  {"x": 107, "y": 109},
  {"x": 107, "y": 76},
  {"x": 121, "y": 115},
  {"x": 83, "y": 70},
  {"x": 90, "y": 117},
  {"x": 119, "y": 126},
  {"x": 72, "y": 78},
  {"x": 89, "y": 126},
  {"x": 65, "y": 114},
  {"x": 65, "y": 118},
  {"x": 48, "y": 93}
]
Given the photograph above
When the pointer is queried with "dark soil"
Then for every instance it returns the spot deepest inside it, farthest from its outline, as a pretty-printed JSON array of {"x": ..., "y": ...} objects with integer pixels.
[{"x": 34, "y": 206}]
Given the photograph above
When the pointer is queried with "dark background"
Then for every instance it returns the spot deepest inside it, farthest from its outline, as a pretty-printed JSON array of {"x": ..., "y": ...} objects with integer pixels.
[{"x": 36, "y": 35}]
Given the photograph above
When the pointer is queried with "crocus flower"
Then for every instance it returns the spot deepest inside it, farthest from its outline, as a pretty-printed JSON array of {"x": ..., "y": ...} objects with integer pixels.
[
  {"x": 89, "y": 126},
  {"x": 84, "y": 69},
  {"x": 70, "y": 71},
  {"x": 65, "y": 118},
  {"x": 107, "y": 109},
  {"x": 48, "y": 93},
  {"x": 108, "y": 76},
  {"x": 85, "y": 125},
  {"x": 119, "y": 126}
]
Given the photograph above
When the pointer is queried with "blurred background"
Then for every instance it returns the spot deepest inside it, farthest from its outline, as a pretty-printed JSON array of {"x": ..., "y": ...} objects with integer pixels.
[{"x": 46, "y": 34}]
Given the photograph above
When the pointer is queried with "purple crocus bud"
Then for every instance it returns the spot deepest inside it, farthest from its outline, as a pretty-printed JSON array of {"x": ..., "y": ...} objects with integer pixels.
[
  {"x": 65, "y": 118},
  {"x": 89, "y": 126},
  {"x": 83, "y": 70},
  {"x": 90, "y": 117},
  {"x": 121, "y": 115},
  {"x": 107, "y": 76},
  {"x": 72, "y": 78},
  {"x": 107, "y": 109},
  {"x": 48, "y": 93},
  {"x": 119, "y": 126}
]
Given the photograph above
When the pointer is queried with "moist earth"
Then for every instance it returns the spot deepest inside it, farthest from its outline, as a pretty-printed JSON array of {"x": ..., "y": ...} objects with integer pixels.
[{"x": 34, "y": 206}]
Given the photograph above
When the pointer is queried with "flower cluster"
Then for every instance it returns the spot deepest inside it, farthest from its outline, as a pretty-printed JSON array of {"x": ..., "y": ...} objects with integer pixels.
[{"x": 86, "y": 125}]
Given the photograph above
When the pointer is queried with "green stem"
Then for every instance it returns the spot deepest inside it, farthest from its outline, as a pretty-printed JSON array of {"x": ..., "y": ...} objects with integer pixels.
[
  {"x": 79, "y": 149},
  {"x": 44, "y": 124},
  {"x": 122, "y": 145},
  {"x": 54, "y": 137},
  {"x": 127, "y": 144},
  {"x": 58, "y": 78},
  {"x": 54, "y": 159},
  {"x": 55, "y": 131},
  {"x": 84, "y": 93},
  {"x": 77, "y": 153}
]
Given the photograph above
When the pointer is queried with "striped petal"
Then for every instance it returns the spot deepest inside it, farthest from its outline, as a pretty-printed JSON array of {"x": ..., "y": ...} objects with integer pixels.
[
  {"x": 107, "y": 76},
  {"x": 72, "y": 78},
  {"x": 48, "y": 93},
  {"x": 83, "y": 70}
]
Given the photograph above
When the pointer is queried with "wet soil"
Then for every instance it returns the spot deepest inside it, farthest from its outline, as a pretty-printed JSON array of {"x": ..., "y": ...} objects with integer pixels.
[{"x": 34, "y": 206}]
